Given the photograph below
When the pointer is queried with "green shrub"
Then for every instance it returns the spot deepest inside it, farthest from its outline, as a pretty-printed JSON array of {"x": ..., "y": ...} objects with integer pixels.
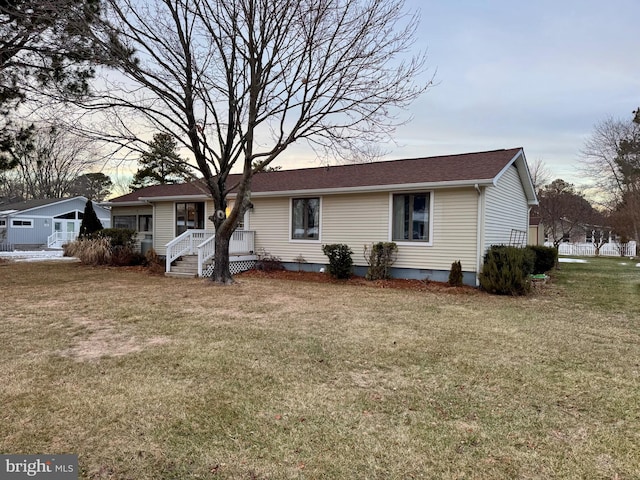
[
  {"x": 340, "y": 261},
  {"x": 506, "y": 270},
  {"x": 455, "y": 275},
  {"x": 124, "y": 237},
  {"x": 546, "y": 258},
  {"x": 380, "y": 256}
]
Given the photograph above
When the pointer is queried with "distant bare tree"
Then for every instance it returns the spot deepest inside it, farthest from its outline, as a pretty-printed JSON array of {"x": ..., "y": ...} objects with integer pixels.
[
  {"x": 47, "y": 163},
  {"x": 239, "y": 81},
  {"x": 612, "y": 160},
  {"x": 540, "y": 173},
  {"x": 563, "y": 211}
]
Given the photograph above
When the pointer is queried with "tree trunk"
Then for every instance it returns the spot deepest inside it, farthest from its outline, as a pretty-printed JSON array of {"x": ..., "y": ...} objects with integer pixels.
[{"x": 221, "y": 270}]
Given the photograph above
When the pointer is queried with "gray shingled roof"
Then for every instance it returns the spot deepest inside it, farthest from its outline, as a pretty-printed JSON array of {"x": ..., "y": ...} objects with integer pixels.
[
  {"x": 29, "y": 204},
  {"x": 463, "y": 168}
]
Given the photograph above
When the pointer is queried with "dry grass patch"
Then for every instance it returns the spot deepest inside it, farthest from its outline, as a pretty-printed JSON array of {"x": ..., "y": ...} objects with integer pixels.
[{"x": 155, "y": 378}]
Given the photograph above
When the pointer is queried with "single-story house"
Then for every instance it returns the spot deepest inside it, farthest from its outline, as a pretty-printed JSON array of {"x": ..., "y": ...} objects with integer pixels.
[
  {"x": 436, "y": 209},
  {"x": 45, "y": 223}
]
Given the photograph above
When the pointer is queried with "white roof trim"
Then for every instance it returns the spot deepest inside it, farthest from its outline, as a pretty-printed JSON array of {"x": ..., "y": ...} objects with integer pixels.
[
  {"x": 484, "y": 182},
  {"x": 377, "y": 188},
  {"x": 520, "y": 163}
]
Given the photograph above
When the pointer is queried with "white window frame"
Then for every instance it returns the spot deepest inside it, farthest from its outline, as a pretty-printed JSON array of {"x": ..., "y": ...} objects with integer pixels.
[
  {"x": 14, "y": 220},
  {"x": 305, "y": 240},
  {"x": 414, "y": 243}
]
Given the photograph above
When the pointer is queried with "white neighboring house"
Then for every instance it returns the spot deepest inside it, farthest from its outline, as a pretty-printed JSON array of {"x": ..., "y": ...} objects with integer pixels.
[
  {"x": 45, "y": 223},
  {"x": 436, "y": 209}
]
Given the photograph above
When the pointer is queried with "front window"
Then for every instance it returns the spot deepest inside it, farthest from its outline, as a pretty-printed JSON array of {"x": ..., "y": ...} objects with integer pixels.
[
  {"x": 411, "y": 217},
  {"x": 305, "y": 219},
  {"x": 145, "y": 223},
  {"x": 124, "y": 221},
  {"x": 3, "y": 223},
  {"x": 189, "y": 215}
]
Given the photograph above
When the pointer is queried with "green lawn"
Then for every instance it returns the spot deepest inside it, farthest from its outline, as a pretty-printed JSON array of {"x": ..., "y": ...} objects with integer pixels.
[{"x": 148, "y": 377}]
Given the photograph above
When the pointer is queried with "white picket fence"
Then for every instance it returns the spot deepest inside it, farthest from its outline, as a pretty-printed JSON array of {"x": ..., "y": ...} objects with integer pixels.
[{"x": 588, "y": 250}]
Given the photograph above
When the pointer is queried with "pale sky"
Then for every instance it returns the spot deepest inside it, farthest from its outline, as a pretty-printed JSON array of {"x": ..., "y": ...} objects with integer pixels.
[{"x": 536, "y": 74}]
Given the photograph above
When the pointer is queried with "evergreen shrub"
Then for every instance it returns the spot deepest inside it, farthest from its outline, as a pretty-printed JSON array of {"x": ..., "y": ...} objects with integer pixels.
[
  {"x": 380, "y": 257},
  {"x": 546, "y": 258},
  {"x": 340, "y": 261},
  {"x": 90, "y": 222},
  {"x": 455, "y": 275},
  {"x": 506, "y": 270}
]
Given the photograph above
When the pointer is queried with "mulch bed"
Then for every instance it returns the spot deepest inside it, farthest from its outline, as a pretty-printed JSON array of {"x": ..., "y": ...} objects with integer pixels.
[{"x": 316, "y": 277}]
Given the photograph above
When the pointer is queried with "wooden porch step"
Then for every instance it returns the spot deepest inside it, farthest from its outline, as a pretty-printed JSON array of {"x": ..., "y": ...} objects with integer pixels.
[{"x": 175, "y": 274}]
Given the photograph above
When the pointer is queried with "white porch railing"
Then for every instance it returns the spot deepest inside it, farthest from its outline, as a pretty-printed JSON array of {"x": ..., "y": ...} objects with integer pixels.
[
  {"x": 242, "y": 241},
  {"x": 202, "y": 243},
  {"x": 57, "y": 239},
  {"x": 185, "y": 244}
]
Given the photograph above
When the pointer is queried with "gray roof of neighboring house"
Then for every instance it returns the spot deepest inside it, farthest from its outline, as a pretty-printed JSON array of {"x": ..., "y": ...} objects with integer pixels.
[{"x": 480, "y": 167}]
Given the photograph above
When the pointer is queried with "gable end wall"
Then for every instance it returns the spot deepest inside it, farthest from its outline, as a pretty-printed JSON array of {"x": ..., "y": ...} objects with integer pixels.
[{"x": 506, "y": 209}]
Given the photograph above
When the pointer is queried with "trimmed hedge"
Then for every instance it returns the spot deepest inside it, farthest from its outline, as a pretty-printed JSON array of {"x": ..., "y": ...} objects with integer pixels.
[
  {"x": 340, "y": 261},
  {"x": 546, "y": 258},
  {"x": 506, "y": 270}
]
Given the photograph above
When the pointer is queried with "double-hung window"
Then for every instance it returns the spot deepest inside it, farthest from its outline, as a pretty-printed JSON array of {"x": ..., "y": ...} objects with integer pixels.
[
  {"x": 305, "y": 218},
  {"x": 411, "y": 217}
]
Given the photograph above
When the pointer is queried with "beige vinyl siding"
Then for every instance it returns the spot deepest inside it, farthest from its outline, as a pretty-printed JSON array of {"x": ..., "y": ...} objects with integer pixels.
[
  {"x": 361, "y": 219},
  {"x": 163, "y": 225},
  {"x": 506, "y": 209},
  {"x": 352, "y": 219},
  {"x": 454, "y": 234}
]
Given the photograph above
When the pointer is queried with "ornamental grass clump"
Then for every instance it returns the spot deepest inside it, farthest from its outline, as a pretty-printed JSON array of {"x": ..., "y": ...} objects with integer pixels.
[{"x": 90, "y": 251}]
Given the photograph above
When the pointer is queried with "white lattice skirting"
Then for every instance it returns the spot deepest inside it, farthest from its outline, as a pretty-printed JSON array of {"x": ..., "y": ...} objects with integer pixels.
[{"x": 235, "y": 267}]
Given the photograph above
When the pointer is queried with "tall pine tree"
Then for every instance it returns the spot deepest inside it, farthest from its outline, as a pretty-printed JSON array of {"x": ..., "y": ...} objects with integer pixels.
[{"x": 161, "y": 164}]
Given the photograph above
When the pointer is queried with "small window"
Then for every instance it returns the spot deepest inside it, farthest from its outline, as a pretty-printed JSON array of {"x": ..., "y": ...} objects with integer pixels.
[
  {"x": 305, "y": 219},
  {"x": 22, "y": 223},
  {"x": 124, "y": 221},
  {"x": 3, "y": 223},
  {"x": 411, "y": 217},
  {"x": 145, "y": 223}
]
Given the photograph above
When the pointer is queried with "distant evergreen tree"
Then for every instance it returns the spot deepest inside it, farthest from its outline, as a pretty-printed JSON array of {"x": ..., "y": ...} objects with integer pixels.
[
  {"x": 90, "y": 221},
  {"x": 161, "y": 164}
]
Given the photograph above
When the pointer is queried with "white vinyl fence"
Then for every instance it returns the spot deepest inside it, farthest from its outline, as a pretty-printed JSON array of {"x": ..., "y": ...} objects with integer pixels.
[{"x": 588, "y": 250}]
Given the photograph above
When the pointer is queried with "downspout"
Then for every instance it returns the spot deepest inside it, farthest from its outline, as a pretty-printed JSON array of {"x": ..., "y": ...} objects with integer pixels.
[{"x": 479, "y": 232}]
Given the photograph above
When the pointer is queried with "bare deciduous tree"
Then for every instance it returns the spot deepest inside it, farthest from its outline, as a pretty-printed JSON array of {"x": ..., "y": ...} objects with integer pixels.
[
  {"x": 563, "y": 211},
  {"x": 239, "y": 81},
  {"x": 612, "y": 159},
  {"x": 48, "y": 162}
]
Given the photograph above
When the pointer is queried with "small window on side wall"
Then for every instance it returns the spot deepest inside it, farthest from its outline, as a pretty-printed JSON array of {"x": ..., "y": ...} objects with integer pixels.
[
  {"x": 305, "y": 218},
  {"x": 411, "y": 217},
  {"x": 145, "y": 223},
  {"x": 22, "y": 223}
]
